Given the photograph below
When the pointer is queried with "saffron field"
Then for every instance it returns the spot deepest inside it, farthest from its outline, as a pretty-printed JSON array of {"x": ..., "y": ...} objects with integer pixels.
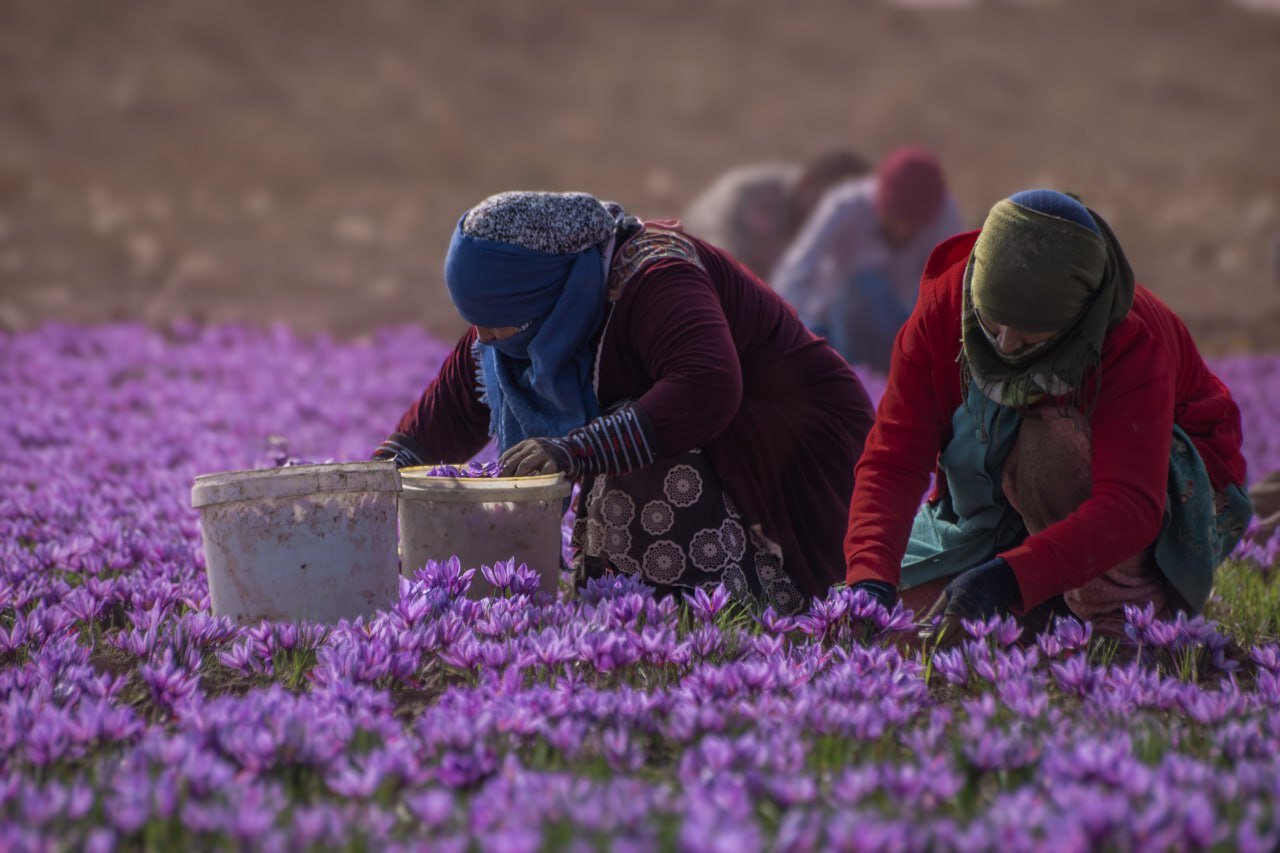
[{"x": 130, "y": 717}]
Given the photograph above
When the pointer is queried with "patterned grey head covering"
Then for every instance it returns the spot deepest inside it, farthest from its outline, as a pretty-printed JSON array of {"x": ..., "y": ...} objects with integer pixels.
[{"x": 556, "y": 223}]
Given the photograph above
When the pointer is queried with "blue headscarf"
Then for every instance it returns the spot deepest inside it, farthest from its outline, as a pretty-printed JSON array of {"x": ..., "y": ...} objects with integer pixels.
[
  {"x": 1057, "y": 204},
  {"x": 534, "y": 261}
]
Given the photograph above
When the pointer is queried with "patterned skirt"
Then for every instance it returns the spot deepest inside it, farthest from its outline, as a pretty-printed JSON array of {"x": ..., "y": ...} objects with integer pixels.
[{"x": 674, "y": 525}]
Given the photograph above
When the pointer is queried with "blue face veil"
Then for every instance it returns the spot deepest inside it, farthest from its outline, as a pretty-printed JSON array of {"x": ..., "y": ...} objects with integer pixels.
[{"x": 534, "y": 261}]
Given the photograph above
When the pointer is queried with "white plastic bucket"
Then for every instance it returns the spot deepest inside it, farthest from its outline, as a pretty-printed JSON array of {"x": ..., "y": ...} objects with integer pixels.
[
  {"x": 483, "y": 520},
  {"x": 310, "y": 542}
]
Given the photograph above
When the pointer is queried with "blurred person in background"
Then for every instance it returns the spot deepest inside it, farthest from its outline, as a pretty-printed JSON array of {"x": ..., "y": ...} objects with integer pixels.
[
  {"x": 754, "y": 212},
  {"x": 714, "y": 437},
  {"x": 1086, "y": 457},
  {"x": 1265, "y": 495},
  {"x": 854, "y": 269}
]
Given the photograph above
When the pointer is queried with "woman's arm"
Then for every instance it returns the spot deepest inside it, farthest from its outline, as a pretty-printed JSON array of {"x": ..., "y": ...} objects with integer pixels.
[
  {"x": 1132, "y": 430},
  {"x": 448, "y": 423},
  {"x": 900, "y": 454},
  {"x": 677, "y": 329}
]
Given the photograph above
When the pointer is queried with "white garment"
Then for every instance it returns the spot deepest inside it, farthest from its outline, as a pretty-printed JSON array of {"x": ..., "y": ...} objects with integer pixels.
[
  {"x": 745, "y": 213},
  {"x": 842, "y": 240}
]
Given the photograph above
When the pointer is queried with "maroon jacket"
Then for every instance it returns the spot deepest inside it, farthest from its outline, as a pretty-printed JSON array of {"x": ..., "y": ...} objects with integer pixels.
[{"x": 716, "y": 360}]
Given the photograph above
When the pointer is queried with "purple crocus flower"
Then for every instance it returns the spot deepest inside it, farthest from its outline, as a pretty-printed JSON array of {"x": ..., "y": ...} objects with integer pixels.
[
  {"x": 528, "y": 719},
  {"x": 706, "y": 606}
]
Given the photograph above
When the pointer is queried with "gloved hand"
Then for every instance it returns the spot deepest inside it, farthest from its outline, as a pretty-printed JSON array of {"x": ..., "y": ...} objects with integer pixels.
[
  {"x": 882, "y": 592},
  {"x": 615, "y": 443},
  {"x": 537, "y": 456},
  {"x": 990, "y": 589}
]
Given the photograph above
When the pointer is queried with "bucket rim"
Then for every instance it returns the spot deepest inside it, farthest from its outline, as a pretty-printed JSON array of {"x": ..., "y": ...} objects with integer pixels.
[
  {"x": 416, "y": 484},
  {"x": 294, "y": 481}
]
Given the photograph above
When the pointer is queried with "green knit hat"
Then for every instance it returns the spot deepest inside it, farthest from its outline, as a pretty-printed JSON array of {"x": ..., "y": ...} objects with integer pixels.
[
  {"x": 1036, "y": 271},
  {"x": 1033, "y": 271}
]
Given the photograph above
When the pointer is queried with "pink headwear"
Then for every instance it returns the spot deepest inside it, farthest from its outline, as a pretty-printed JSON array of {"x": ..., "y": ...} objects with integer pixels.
[{"x": 910, "y": 187}]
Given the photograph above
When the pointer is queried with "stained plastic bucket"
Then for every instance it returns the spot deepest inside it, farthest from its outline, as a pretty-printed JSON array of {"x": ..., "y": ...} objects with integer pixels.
[
  {"x": 482, "y": 520},
  {"x": 310, "y": 542}
]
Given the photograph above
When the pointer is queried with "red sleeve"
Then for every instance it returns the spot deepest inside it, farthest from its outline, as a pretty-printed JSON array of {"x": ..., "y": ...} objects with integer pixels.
[
  {"x": 449, "y": 423},
  {"x": 677, "y": 327},
  {"x": 1204, "y": 406},
  {"x": 1132, "y": 428},
  {"x": 901, "y": 451}
]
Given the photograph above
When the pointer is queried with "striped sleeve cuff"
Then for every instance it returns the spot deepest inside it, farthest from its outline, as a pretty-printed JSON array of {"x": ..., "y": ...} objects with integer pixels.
[
  {"x": 615, "y": 443},
  {"x": 400, "y": 449}
]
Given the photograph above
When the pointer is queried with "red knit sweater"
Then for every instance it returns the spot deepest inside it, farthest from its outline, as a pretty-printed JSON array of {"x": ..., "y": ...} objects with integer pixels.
[{"x": 1152, "y": 377}]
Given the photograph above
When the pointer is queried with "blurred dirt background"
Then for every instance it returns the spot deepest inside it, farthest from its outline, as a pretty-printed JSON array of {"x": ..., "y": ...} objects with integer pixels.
[{"x": 306, "y": 161}]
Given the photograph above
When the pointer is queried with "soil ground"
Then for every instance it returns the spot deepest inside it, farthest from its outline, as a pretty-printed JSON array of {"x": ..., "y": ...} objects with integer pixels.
[{"x": 306, "y": 161}]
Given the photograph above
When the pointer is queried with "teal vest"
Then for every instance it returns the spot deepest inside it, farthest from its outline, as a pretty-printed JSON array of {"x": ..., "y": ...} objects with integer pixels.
[{"x": 973, "y": 522}]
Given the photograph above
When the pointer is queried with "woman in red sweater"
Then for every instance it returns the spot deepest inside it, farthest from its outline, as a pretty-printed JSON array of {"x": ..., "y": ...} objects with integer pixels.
[
  {"x": 1085, "y": 455},
  {"x": 714, "y": 437}
]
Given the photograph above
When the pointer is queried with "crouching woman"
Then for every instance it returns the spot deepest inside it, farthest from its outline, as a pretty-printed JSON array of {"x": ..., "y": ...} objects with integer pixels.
[
  {"x": 713, "y": 436},
  {"x": 1086, "y": 458}
]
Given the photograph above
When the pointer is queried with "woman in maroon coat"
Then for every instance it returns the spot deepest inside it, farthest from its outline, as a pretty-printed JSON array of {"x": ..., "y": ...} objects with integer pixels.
[{"x": 713, "y": 435}]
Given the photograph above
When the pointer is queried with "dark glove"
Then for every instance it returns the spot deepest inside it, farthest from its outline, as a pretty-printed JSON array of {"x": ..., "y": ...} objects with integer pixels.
[
  {"x": 536, "y": 456},
  {"x": 615, "y": 443},
  {"x": 990, "y": 589},
  {"x": 400, "y": 449},
  {"x": 880, "y": 591}
]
